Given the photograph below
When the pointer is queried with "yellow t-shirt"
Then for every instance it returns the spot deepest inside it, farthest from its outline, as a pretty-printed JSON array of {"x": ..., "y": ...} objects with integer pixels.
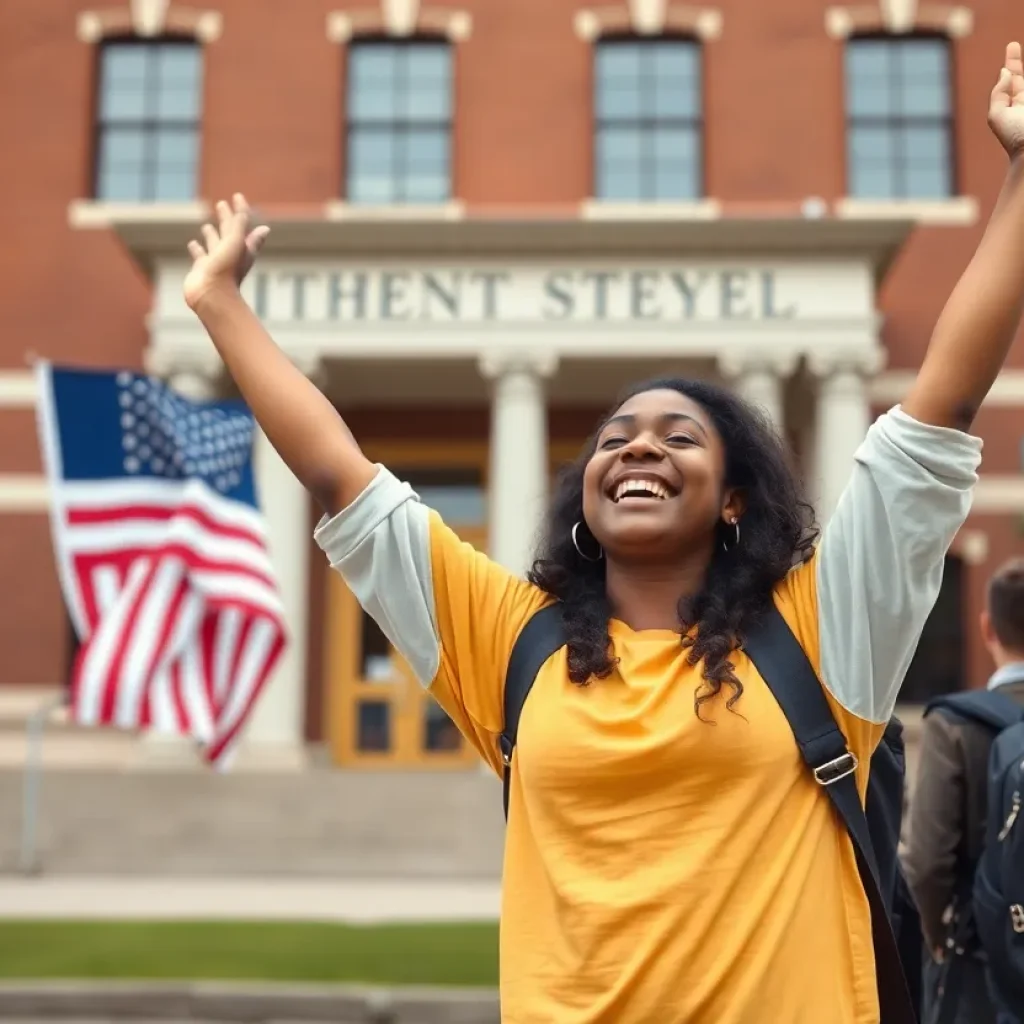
[{"x": 660, "y": 869}]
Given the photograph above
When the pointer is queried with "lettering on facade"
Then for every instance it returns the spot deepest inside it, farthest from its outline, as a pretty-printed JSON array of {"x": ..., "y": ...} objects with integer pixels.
[{"x": 566, "y": 295}]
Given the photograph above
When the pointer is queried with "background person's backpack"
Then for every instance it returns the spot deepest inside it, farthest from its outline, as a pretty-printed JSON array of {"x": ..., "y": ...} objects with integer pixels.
[
  {"x": 782, "y": 663},
  {"x": 995, "y": 909}
]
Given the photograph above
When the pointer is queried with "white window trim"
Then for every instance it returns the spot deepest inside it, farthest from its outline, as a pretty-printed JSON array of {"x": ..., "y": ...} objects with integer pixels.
[
  {"x": 606, "y": 209},
  {"x": 148, "y": 20},
  {"x": 340, "y": 209},
  {"x": 344, "y": 26},
  {"x": 955, "y": 212},
  {"x": 650, "y": 18},
  {"x": 902, "y": 17},
  {"x": 93, "y": 213}
]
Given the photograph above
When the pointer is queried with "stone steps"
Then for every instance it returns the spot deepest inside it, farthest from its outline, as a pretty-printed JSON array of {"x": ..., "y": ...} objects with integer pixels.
[
  {"x": 315, "y": 823},
  {"x": 65, "y": 744}
]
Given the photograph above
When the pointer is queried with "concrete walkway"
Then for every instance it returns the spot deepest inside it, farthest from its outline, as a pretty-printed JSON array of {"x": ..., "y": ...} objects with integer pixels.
[{"x": 265, "y": 899}]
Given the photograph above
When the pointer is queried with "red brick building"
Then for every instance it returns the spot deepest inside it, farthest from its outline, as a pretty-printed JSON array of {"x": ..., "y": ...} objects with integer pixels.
[{"x": 488, "y": 216}]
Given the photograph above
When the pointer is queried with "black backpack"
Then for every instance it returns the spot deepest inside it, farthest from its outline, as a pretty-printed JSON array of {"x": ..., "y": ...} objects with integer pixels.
[
  {"x": 896, "y": 926},
  {"x": 995, "y": 906}
]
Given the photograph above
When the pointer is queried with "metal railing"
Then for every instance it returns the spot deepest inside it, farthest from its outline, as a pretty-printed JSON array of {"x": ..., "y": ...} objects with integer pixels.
[{"x": 28, "y": 860}]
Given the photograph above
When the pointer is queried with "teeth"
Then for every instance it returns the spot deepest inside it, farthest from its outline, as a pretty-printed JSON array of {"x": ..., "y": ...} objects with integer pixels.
[{"x": 651, "y": 487}]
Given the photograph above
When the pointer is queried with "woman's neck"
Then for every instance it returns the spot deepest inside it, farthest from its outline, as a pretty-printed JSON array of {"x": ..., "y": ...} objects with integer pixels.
[{"x": 648, "y": 596}]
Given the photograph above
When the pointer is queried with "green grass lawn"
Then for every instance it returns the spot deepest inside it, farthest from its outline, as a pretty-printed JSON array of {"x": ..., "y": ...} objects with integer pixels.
[{"x": 432, "y": 954}]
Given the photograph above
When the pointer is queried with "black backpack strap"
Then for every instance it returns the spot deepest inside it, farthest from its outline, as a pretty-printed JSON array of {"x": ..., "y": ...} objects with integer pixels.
[
  {"x": 539, "y": 639},
  {"x": 986, "y": 707},
  {"x": 788, "y": 673}
]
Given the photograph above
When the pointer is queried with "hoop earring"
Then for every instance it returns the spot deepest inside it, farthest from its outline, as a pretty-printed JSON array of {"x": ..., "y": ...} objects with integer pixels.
[
  {"x": 579, "y": 550},
  {"x": 736, "y": 543}
]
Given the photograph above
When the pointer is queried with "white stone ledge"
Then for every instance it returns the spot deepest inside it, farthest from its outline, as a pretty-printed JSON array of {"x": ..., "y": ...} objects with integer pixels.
[
  {"x": 91, "y": 214},
  {"x": 603, "y": 209},
  {"x": 341, "y": 210},
  {"x": 24, "y": 492},
  {"x": 959, "y": 211},
  {"x": 892, "y": 387}
]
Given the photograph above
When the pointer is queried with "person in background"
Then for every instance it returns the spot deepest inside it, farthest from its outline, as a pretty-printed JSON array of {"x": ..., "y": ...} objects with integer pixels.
[{"x": 949, "y": 812}]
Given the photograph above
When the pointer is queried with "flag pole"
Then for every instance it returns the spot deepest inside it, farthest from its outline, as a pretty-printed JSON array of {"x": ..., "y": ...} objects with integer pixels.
[{"x": 34, "y": 730}]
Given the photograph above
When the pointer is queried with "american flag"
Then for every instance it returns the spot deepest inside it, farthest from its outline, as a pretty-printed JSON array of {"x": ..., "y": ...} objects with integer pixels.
[{"x": 162, "y": 554}]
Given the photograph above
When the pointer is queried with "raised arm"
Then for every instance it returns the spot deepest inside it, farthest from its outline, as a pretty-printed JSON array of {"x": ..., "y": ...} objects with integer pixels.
[
  {"x": 977, "y": 327},
  {"x": 880, "y": 563},
  {"x": 298, "y": 420}
]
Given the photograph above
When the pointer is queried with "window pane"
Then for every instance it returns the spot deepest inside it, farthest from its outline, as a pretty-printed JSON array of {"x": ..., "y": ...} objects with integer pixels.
[
  {"x": 373, "y": 189},
  {"x": 372, "y": 153},
  {"x": 439, "y": 731},
  {"x": 617, "y": 81},
  {"x": 676, "y": 164},
  {"x": 620, "y": 181},
  {"x": 616, "y": 145},
  {"x": 122, "y": 82},
  {"x": 868, "y": 63},
  {"x": 123, "y": 148},
  {"x": 178, "y": 82},
  {"x": 673, "y": 81},
  {"x": 427, "y": 102},
  {"x": 456, "y": 494},
  {"x": 122, "y": 186},
  {"x": 427, "y": 66},
  {"x": 924, "y": 78},
  {"x": 872, "y": 163},
  {"x": 673, "y": 182},
  {"x": 176, "y": 149},
  {"x": 373, "y": 726},
  {"x": 173, "y": 186},
  {"x": 372, "y": 83},
  {"x": 927, "y": 182}
]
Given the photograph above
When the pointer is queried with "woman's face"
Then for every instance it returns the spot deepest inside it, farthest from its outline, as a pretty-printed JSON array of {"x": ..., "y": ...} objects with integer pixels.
[{"x": 654, "y": 488}]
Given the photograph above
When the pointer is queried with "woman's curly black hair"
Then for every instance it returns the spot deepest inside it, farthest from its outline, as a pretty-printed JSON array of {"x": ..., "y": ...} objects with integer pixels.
[{"x": 777, "y": 532}]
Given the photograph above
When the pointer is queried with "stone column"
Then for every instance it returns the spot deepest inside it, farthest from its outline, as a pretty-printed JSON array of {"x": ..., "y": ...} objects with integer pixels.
[
  {"x": 275, "y": 734},
  {"x": 760, "y": 378},
  {"x": 842, "y": 420},
  {"x": 518, "y": 471}
]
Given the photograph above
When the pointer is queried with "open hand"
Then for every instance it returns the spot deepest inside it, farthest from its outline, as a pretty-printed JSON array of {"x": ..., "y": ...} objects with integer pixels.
[
  {"x": 1006, "y": 110},
  {"x": 228, "y": 253}
]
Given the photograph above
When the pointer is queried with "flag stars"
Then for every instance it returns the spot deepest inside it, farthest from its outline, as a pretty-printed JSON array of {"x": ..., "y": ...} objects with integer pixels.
[{"x": 164, "y": 434}]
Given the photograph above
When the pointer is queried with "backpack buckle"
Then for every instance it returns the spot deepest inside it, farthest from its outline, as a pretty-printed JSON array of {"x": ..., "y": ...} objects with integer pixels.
[
  {"x": 505, "y": 746},
  {"x": 833, "y": 771}
]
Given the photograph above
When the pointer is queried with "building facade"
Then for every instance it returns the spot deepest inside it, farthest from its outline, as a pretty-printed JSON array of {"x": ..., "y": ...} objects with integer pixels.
[{"x": 488, "y": 217}]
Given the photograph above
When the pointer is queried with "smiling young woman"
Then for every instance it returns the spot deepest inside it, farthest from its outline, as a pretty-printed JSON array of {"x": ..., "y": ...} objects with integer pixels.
[{"x": 668, "y": 857}]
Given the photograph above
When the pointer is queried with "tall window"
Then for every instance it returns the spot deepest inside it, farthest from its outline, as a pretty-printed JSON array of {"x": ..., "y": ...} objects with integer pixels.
[
  {"x": 148, "y": 121},
  {"x": 899, "y": 118},
  {"x": 650, "y": 125},
  {"x": 399, "y": 122}
]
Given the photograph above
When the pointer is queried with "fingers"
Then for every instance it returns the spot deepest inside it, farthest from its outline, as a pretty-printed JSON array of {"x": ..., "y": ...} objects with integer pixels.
[
  {"x": 1013, "y": 59},
  {"x": 195, "y": 250},
  {"x": 210, "y": 236},
  {"x": 256, "y": 239}
]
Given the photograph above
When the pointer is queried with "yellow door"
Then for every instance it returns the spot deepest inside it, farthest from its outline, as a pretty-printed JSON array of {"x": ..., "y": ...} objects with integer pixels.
[{"x": 378, "y": 713}]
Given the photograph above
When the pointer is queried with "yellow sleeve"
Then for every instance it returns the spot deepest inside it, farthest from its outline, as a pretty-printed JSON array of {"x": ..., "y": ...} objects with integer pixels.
[{"x": 481, "y": 609}]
